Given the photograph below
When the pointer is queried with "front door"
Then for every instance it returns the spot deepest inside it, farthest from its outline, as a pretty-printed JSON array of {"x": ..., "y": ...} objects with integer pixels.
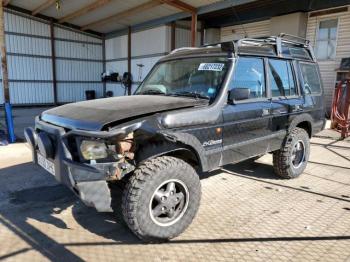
[{"x": 246, "y": 127}]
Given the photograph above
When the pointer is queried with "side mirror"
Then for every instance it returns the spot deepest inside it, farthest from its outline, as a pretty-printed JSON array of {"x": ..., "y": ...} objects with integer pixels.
[{"x": 239, "y": 93}]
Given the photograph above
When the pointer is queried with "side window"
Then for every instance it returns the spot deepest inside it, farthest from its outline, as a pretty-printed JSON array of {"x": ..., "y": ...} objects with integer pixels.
[
  {"x": 312, "y": 84},
  {"x": 281, "y": 78},
  {"x": 249, "y": 73}
]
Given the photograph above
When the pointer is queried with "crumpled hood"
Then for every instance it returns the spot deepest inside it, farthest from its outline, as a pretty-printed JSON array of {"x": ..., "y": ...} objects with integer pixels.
[{"x": 95, "y": 114}]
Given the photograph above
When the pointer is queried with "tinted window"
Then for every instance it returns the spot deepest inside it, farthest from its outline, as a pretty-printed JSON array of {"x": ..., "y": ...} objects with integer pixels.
[
  {"x": 249, "y": 73},
  {"x": 281, "y": 78},
  {"x": 311, "y": 79}
]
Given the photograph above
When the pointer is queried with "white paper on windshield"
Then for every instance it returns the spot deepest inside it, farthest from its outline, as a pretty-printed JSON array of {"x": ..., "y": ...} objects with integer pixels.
[{"x": 211, "y": 67}]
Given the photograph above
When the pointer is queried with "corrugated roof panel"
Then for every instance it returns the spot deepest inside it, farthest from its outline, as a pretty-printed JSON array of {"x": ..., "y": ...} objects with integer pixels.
[
  {"x": 67, "y": 7},
  {"x": 112, "y": 8}
]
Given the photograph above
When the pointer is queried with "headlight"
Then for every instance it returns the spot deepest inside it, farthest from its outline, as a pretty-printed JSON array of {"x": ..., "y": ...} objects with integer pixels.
[{"x": 93, "y": 149}]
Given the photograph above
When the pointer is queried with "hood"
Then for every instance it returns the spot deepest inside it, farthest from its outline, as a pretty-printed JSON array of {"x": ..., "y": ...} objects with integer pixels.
[{"x": 95, "y": 114}]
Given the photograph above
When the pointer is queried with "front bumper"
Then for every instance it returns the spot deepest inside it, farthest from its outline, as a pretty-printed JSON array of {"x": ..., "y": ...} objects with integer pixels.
[{"x": 87, "y": 181}]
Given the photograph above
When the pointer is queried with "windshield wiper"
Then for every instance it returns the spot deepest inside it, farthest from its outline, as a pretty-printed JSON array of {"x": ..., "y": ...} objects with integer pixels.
[
  {"x": 151, "y": 92},
  {"x": 190, "y": 94}
]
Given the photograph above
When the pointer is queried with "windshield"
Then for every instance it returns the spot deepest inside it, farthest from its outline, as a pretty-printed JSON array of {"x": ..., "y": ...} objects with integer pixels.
[{"x": 195, "y": 77}]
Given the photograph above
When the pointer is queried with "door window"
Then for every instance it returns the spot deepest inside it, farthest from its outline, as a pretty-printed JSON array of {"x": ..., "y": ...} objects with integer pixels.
[
  {"x": 311, "y": 78},
  {"x": 281, "y": 78},
  {"x": 249, "y": 73}
]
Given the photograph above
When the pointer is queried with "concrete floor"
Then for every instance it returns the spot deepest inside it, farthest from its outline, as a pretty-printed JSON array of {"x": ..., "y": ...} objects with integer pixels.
[{"x": 246, "y": 213}]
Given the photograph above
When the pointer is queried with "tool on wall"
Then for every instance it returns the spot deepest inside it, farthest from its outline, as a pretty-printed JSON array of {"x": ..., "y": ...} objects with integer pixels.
[
  {"x": 140, "y": 66},
  {"x": 127, "y": 82}
]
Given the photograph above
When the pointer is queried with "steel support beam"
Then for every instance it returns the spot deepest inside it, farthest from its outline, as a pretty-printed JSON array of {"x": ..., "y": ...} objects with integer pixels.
[
  {"x": 53, "y": 62},
  {"x": 173, "y": 36},
  {"x": 129, "y": 57},
  {"x": 104, "y": 65}
]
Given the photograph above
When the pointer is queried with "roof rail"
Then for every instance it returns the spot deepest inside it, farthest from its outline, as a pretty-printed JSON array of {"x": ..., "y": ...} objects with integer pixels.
[
  {"x": 183, "y": 48},
  {"x": 297, "y": 39}
]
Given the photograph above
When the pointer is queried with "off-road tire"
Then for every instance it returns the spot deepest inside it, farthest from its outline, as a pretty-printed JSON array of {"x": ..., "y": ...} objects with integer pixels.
[
  {"x": 140, "y": 189},
  {"x": 282, "y": 159}
]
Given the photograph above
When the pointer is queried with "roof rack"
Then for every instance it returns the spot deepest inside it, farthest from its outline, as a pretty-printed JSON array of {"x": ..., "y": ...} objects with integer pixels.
[
  {"x": 232, "y": 46},
  {"x": 269, "y": 40}
]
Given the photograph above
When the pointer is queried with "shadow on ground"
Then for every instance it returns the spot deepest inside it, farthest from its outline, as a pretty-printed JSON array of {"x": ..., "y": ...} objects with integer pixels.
[{"x": 43, "y": 203}]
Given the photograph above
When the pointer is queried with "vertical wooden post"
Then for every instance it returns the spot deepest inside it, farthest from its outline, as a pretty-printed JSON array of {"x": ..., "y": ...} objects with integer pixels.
[
  {"x": 129, "y": 57},
  {"x": 5, "y": 79},
  {"x": 53, "y": 62},
  {"x": 193, "y": 29},
  {"x": 173, "y": 36},
  {"x": 104, "y": 63}
]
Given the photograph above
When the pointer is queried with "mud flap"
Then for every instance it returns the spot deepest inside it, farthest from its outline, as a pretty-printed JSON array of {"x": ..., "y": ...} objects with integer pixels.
[{"x": 95, "y": 194}]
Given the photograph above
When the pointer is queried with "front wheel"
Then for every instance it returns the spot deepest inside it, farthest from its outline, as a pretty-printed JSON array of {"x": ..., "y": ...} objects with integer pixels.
[
  {"x": 161, "y": 198},
  {"x": 291, "y": 160}
]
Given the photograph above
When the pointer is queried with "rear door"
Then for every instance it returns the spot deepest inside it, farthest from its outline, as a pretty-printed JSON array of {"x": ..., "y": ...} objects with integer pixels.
[
  {"x": 285, "y": 99},
  {"x": 246, "y": 122},
  {"x": 312, "y": 91}
]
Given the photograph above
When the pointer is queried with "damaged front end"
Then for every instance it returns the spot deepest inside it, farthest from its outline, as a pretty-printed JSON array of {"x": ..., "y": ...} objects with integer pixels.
[{"x": 85, "y": 161}]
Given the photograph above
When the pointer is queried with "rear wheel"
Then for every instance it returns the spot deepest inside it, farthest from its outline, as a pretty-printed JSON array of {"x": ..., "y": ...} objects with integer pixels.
[
  {"x": 161, "y": 198},
  {"x": 291, "y": 160}
]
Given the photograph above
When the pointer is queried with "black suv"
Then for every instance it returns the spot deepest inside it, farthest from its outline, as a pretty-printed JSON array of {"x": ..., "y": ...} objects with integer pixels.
[{"x": 197, "y": 110}]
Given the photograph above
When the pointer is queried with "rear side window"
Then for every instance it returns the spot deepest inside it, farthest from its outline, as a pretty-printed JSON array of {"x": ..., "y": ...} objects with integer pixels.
[
  {"x": 281, "y": 78},
  {"x": 249, "y": 73},
  {"x": 312, "y": 84}
]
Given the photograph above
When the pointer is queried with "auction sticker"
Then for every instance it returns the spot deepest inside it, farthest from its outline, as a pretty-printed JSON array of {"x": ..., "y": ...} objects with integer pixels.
[{"x": 211, "y": 67}]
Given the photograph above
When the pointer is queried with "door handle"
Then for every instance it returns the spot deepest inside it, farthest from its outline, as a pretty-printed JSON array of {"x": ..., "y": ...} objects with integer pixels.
[
  {"x": 265, "y": 112},
  {"x": 297, "y": 108}
]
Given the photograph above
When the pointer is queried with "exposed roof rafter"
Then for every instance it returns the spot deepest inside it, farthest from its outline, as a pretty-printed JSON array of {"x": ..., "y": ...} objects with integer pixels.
[
  {"x": 43, "y": 6},
  {"x": 124, "y": 14},
  {"x": 5, "y": 2},
  {"x": 180, "y": 5},
  {"x": 84, "y": 10}
]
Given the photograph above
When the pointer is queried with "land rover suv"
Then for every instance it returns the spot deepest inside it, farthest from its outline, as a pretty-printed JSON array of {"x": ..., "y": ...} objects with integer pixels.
[{"x": 196, "y": 111}]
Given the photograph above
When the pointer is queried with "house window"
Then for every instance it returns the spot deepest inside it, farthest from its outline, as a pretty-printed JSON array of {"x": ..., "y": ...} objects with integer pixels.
[{"x": 326, "y": 39}]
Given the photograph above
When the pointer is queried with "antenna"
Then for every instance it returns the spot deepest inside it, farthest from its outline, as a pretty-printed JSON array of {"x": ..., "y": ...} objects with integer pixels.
[{"x": 239, "y": 20}]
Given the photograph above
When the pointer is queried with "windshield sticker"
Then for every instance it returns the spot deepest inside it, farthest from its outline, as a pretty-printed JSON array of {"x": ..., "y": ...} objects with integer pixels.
[{"x": 211, "y": 67}]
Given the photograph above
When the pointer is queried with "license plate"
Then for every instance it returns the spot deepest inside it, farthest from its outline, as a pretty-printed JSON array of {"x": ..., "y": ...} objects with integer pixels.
[{"x": 46, "y": 164}]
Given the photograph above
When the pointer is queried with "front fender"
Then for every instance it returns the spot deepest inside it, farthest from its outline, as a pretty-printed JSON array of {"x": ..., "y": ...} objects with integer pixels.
[{"x": 190, "y": 142}]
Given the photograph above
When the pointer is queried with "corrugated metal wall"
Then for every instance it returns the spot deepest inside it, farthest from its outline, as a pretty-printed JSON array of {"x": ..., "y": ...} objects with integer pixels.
[
  {"x": 147, "y": 47},
  {"x": 29, "y": 60},
  {"x": 116, "y": 61},
  {"x": 183, "y": 34},
  {"x": 328, "y": 67},
  {"x": 79, "y": 61},
  {"x": 256, "y": 29},
  {"x": 79, "y": 65}
]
